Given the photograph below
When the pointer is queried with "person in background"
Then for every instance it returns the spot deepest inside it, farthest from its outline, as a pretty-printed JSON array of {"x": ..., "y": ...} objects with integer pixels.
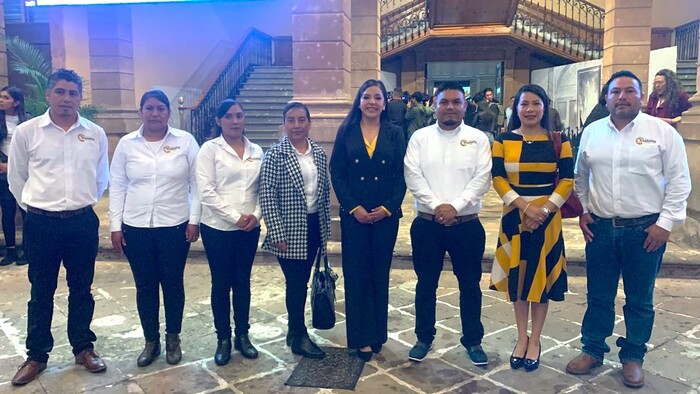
[
  {"x": 367, "y": 173},
  {"x": 396, "y": 111},
  {"x": 633, "y": 181},
  {"x": 416, "y": 115},
  {"x": 530, "y": 263},
  {"x": 154, "y": 215},
  {"x": 555, "y": 123},
  {"x": 485, "y": 120},
  {"x": 11, "y": 115},
  {"x": 228, "y": 171},
  {"x": 295, "y": 202},
  {"x": 509, "y": 113},
  {"x": 61, "y": 225},
  {"x": 669, "y": 99},
  {"x": 471, "y": 113}
]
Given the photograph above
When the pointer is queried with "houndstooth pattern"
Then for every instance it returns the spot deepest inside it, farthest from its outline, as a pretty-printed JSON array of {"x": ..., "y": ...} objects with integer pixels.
[{"x": 283, "y": 202}]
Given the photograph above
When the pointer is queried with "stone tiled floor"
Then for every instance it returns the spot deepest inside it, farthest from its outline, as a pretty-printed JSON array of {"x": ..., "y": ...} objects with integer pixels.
[{"x": 672, "y": 362}]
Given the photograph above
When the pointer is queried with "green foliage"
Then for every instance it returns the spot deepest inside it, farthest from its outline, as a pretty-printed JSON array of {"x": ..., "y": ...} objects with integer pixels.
[{"x": 35, "y": 68}]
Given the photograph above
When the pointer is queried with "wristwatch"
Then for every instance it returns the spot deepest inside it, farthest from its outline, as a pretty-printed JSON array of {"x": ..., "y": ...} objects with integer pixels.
[{"x": 546, "y": 210}]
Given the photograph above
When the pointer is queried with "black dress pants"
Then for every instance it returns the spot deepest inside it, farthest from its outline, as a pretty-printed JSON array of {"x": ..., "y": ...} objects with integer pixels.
[
  {"x": 296, "y": 276},
  {"x": 8, "y": 204},
  {"x": 48, "y": 241},
  {"x": 230, "y": 255},
  {"x": 367, "y": 253},
  {"x": 465, "y": 243},
  {"x": 157, "y": 258}
]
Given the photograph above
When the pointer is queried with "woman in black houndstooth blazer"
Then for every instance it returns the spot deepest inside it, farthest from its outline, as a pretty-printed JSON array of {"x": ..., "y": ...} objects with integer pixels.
[{"x": 295, "y": 202}]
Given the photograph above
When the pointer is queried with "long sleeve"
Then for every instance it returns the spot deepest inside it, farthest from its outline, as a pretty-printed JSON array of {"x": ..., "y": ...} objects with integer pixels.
[
  {"x": 195, "y": 204},
  {"x": 339, "y": 173},
  {"x": 206, "y": 184},
  {"x": 677, "y": 177},
  {"x": 582, "y": 173},
  {"x": 500, "y": 176},
  {"x": 18, "y": 166},
  {"x": 103, "y": 166},
  {"x": 565, "y": 164},
  {"x": 393, "y": 203},
  {"x": 415, "y": 180},
  {"x": 117, "y": 188},
  {"x": 269, "y": 183},
  {"x": 480, "y": 182}
]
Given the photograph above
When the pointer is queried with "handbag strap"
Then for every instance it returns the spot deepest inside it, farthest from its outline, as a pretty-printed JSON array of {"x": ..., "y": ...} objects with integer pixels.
[
  {"x": 556, "y": 139},
  {"x": 318, "y": 260}
]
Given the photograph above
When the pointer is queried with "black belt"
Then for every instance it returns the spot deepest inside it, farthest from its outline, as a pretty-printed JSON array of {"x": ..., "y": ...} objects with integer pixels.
[
  {"x": 646, "y": 220},
  {"x": 59, "y": 214},
  {"x": 460, "y": 219}
]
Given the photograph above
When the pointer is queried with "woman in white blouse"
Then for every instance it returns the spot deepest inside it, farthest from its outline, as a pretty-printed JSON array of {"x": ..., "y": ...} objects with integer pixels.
[
  {"x": 154, "y": 216},
  {"x": 11, "y": 114},
  {"x": 228, "y": 169}
]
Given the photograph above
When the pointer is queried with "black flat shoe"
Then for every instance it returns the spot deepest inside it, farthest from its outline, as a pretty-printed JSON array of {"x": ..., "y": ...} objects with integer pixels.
[
  {"x": 150, "y": 353},
  {"x": 365, "y": 356},
  {"x": 223, "y": 351},
  {"x": 303, "y": 346},
  {"x": 243, "y": 345},
  {"x": 530, "y": 364},
  {"x": 377, "y": 348},
  {"x": 517, "y": 362}
]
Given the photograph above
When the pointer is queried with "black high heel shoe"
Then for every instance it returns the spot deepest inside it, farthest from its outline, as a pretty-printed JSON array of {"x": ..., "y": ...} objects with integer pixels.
[
  {"x": 517, "y": 362},
  {"x": 377, "y": 348},
  {"x": 365, "y": 356},
  {"x": 530, "y": 364}
]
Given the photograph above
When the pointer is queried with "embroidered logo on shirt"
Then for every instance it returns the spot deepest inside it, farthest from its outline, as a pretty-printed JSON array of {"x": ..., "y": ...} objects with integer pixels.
[
  {"x": 642, "y": 141},
  {"x": 83, "y": 138},
  {"x": 465, "y": 142},
  {"x": 168, "y": 149}
]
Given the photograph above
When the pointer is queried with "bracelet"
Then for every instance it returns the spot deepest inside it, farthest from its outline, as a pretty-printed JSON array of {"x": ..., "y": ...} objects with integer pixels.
[{"x": 527, "y": 206}]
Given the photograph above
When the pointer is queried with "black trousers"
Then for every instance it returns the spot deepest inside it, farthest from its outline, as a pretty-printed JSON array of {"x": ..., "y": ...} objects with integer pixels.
[
  {"x": 8, "y": 204},
  {"x": 230, "y": 255},
  {"x": 48, "y": 241},
  {"x": 465, "y": 243},
  {"x": 157, "y": 258},
  {"x": 367, "y": 253},
  {"x": 296, "y": 276}
]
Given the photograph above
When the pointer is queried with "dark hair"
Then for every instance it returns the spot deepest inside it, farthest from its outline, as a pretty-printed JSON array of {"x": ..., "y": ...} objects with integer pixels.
[
  {"x": 355, "y": 115},
  {"x": 397, "y": 92},
  {"x": 449, "y": 86},
  {"x": 65, "y": 75},
  {"x": 155, "y": 94},
  {"x": 674, "y": 87},
  {"x": 487, "y": 90},
  {"x": 294, "y": 105},
  {"x": 537, "y": 90},
  {"x": 418, "y": 96},
  {"x": 221, "y": 110},
  {"x": 478, "y": 97},
  {"x": 17, "y": 95},
  {"x": 620, "y": 74}
]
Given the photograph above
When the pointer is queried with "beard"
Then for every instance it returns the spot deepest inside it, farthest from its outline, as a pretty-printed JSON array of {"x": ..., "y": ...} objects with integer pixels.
[{"x": 450, "y": 122}]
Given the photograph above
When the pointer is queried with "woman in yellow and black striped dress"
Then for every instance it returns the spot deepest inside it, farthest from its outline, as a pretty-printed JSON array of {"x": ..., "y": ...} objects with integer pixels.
[{"x": 530, "y": 265}]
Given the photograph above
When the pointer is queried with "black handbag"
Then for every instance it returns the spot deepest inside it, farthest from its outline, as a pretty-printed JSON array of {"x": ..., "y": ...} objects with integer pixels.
[{"x": 323, "y": 294}]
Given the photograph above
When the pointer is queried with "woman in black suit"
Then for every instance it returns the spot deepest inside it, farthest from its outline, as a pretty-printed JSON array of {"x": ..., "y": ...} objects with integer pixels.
[
  {"x": 295, "y": 202},
  {"x": 367, "y": 174}
]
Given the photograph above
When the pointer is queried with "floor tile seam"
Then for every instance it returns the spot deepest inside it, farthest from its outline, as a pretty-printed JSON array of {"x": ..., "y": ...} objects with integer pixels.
[
  {"x": 258, "y": 376},
  {"x": 477, "y": 378},
  {"x": 405, "y": 384}
]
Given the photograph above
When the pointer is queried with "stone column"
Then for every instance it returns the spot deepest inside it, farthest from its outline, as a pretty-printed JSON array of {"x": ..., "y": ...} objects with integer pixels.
[
  {"x": 690, "y": 130},
  {"x": 321, "y": 48},
  {"x": 627, "y": 40},
  {"x": 366, "y": 60},
  {"x": 112, "y": 70},
  {"x": 3, "y": 50}
]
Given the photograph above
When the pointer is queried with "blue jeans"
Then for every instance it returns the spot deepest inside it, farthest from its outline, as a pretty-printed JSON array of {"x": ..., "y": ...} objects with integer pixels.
[{"x": 615, "y": 251}]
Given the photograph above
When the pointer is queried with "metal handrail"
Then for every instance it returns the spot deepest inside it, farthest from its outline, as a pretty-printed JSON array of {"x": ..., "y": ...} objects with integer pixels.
[
  {"x": 255, "y": 50},
  {"x": 687, "y": 40},
  {"x": 403, "y": 24}
]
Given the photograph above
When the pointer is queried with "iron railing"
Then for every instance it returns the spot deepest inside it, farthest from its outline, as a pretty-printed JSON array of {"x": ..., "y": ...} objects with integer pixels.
[
  {"x": 574, "y": 27},
  {"x": 403, "y": 24},
  {"x": 254, "y": 50},
  {"x": 687, "y": 40}
]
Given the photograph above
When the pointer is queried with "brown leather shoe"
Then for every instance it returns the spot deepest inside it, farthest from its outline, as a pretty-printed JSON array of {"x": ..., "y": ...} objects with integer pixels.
[
  {"x": 91, "y": 361},
  {"x": 28, "y": 371},
  {"x": 582, "y": 364},
  {"x": 632, "y": 374}
]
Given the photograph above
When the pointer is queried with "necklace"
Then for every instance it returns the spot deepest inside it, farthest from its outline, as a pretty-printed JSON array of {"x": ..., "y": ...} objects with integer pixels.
[{"x": 529, "y": 141}]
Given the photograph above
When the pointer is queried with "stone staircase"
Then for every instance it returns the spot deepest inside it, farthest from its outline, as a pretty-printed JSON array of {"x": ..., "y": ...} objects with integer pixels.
[
  {"x": 263, "y": 96},
  {"x": 687, "y": 71}
]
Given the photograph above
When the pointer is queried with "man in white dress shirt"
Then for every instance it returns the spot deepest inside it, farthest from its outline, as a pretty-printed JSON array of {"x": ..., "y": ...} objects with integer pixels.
[
  {"x": 58, "y": 169},
  {"x": 632, "y": 179},
  {"x": 448, "y": 170}
]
